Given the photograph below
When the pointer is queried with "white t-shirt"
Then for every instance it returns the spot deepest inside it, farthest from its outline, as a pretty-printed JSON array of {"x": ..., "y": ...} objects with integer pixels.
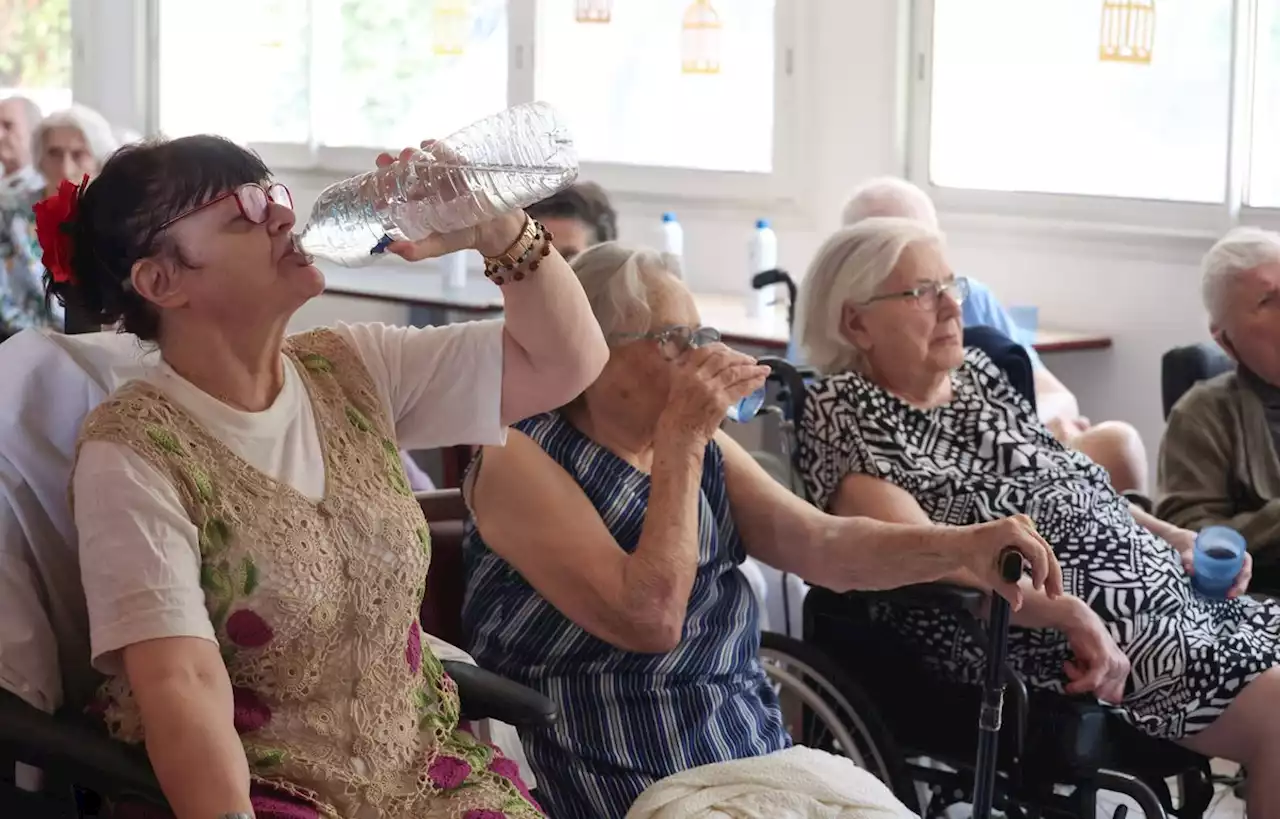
[{"x": 139, "y": 553}]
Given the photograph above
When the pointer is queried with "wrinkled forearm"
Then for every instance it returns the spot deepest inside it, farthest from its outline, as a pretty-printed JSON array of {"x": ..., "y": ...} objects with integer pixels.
[
  {"x": 865, "y": 554},
  {"x": 1038, "y": 610}
]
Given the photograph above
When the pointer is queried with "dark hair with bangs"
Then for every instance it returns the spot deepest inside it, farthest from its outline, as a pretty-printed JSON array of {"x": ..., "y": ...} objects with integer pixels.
[
  {"x": 585, "y": 201},
  {"x": 121, "y": 212}
]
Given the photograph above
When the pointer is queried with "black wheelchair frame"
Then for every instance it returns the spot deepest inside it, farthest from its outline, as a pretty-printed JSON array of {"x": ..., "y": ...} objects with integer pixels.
[
  {"x": 81, "y": 766},
  {"x": 1022, "y": 757}
]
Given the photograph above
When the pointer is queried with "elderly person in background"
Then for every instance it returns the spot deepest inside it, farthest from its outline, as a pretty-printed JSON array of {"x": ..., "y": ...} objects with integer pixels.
[
  {"x": 602, "y": 559},
  {"x": 580, "y": 216},
  {"x": 909, "y": 427},
  {"x": 19, "y": 117},
  {"x": 1114, "y": 445},
  {"x": 66, "y": 145},
  {"x": 1218, "y": 458}
]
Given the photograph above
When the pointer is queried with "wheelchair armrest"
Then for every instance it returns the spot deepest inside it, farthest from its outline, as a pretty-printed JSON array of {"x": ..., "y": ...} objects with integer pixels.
[
  {"x": 942, "y": 596},
  {"x": 71, "y": 749},
  {"x": 486, "y": 695},
  {"x": 1140, "y": 500}
]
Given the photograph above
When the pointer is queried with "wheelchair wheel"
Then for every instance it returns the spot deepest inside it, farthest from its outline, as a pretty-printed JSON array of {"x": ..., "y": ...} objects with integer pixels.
[{"x": 823, "y": 709}]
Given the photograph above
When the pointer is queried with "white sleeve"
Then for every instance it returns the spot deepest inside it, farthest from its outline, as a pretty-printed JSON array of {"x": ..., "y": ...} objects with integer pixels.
[
  {"x": 442, "y": 385},
  {"x": 139, "y": 554}
]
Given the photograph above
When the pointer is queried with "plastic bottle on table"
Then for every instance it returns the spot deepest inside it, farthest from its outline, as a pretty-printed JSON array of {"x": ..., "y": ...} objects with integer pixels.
[
  {"x": 507, "y": 161},
  {"x": 672, "y": 235},
  {"x": 763, "y": 255}
]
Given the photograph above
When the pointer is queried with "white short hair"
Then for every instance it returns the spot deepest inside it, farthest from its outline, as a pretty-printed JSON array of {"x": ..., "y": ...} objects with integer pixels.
[
  {"x": 616, "y": 279},
  {"x": 1241, "y": 250},
  {"x": 849, "y": 267},
  {"x": 30, "y": 110},
  {"x": 889, "y": 196},
  {"x": 95, "y": 129}
]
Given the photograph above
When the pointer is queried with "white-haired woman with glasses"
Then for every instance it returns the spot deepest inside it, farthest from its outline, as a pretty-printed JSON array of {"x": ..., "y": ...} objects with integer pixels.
[
  {"x": 602, "y": 561},
  {"x": 908, "y": 426},
  {"x": 69, "y": 144}
]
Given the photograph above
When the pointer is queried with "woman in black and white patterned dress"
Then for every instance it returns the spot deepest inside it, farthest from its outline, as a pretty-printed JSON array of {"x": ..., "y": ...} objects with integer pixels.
[{"x": 909, "y": 426}]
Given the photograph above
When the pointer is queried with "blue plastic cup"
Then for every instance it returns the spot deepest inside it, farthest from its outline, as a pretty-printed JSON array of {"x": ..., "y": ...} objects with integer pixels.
[
  {"x": 1217, "y": 560},
  {"x": 745, "y": 409}
]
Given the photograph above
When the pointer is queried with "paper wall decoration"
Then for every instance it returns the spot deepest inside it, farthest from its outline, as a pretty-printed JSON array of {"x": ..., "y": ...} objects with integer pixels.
[
  {"x": 702, "y": 34},
  {"x": 593, "y": 11},
  {"x": 1128, "y": 31}
]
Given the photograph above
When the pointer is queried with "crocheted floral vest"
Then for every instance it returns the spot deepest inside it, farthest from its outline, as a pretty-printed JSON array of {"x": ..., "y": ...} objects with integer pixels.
[{"x": 316, "y": 605}]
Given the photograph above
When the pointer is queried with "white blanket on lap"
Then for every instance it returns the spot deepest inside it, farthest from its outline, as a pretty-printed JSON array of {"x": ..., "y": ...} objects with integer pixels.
[{"x": 798, "y": 783}]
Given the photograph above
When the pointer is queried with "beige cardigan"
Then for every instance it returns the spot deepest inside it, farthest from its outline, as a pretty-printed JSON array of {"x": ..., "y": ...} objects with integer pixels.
[{"x": 1218, "y": 465}]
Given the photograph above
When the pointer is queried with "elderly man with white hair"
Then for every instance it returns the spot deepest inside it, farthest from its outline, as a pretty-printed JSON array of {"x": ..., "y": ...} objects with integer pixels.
[
  {"x": 1114, "y": 445},
  {"x": 1218, "y": 462}
]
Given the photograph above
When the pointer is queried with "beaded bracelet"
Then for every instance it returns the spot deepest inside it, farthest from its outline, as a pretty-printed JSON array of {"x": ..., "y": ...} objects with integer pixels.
[{"x": 526, "y": 253}]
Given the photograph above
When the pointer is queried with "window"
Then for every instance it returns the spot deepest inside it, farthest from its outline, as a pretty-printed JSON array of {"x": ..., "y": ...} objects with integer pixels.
[
  {"x": 1020, "y": 100},
  {"x": 241, "y": 69},
  {"x": 631, "y": 93},
  {"x": 35, "y": 51},
  {"x": 331, "y": 73},
  {"x": 1264, "y": 165}
]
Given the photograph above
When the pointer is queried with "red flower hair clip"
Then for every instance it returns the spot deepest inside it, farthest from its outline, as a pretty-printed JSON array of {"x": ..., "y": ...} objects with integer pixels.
[{"x": 54, "y": 216}]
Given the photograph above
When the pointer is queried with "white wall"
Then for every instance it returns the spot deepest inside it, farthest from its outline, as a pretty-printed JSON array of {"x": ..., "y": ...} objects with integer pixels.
[{"x": 1140, "y": 288}]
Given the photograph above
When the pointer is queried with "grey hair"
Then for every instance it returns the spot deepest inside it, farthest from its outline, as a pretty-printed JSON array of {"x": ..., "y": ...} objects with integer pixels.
[
  {"x": 1241, "y": 250},
  {"x": 849, "y": 268},
  {"x": 889, "y": 196},
  {"x": 616, "y": 279},
  {"x": 95, "y": 129}
]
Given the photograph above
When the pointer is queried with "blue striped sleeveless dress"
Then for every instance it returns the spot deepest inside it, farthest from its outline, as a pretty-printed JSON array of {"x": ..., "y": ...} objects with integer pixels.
[{"x": 627, "y": 719}]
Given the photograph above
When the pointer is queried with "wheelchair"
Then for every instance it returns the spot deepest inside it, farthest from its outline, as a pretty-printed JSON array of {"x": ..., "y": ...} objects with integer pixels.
[
  {"x": 77, "y": 767},
  {"x": 918, "y": 733}
]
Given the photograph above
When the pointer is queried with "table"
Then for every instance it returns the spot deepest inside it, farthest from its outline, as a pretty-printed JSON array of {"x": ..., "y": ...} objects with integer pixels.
[
  {"x": 728, "y": 314},
  {"x": 415, "y": 287}
]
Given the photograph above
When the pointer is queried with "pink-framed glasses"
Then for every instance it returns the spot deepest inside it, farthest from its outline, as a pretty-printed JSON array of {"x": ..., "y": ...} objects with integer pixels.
[{"x": 253, "y": 198}]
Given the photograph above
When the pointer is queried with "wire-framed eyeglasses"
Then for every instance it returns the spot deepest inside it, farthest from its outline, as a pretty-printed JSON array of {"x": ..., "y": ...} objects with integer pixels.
[
  {"x": 674, "y": 340},
  {"x": 252, "y": 198},
  {"x": 926, "y": 295}
]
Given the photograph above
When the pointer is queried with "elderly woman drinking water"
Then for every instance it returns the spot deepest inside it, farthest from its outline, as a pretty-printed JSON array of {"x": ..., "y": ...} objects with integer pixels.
[
  {"x": 252, "y": 556},
  {"x": 602, "y": 564},
  {"x": 909, "y": 427}
]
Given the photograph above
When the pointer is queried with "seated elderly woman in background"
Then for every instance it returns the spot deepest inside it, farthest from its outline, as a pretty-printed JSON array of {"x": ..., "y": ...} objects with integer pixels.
[
  {"x": 909, "y": 427},
  {"x": 1218, "y": 462},
  {"x": 252, "y": 558},
  {"x": 1114, "y": 445},
  {"x": 66, "y": 145},
  {"x": 602, "y": 562}
]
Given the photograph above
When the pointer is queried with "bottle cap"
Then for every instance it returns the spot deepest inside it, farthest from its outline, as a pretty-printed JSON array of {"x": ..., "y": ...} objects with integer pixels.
[
  {"x": 761, "y": 224},
  {"x": 668, "y": 217}
]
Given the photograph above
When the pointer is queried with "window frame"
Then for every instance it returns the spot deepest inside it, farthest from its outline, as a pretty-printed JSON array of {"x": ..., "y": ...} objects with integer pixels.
[
  {"x": 1098, "y": 215},
  {"x": 779, "y": 187}
]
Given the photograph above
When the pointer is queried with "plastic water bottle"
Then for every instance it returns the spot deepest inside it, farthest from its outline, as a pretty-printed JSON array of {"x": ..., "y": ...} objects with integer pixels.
[
  {"x": 507, "y": 161},
  {"x": 672, "y": 235},
  {"x": 763, "y": 255}
]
